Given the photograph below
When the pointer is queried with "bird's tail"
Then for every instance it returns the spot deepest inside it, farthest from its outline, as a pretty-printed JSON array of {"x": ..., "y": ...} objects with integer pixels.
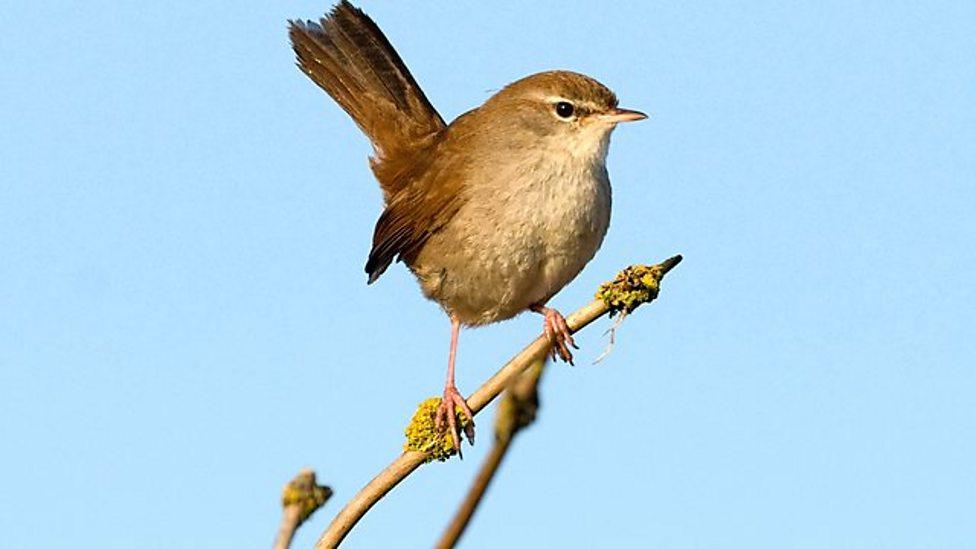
[{"x": 346, "y": 54}]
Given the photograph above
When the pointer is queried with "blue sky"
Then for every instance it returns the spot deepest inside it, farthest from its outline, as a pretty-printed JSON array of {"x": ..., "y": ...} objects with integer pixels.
[{"x": 184, "y": 320}]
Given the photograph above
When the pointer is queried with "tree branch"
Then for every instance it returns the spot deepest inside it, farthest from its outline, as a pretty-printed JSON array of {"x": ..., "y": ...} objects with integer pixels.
[
  {"x": 632, "y": 287},
  {"x": 299, "y": 499},
  {"x": 516, "y": 411}
]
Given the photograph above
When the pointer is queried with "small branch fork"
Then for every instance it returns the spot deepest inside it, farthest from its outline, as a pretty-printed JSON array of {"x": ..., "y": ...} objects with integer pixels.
[{"x": 632, "y": 287}]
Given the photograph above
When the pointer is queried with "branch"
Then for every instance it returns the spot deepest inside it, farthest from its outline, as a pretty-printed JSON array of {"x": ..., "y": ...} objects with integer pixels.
[
  {"x": 633, "y": 286},
  {"x": 299, "y": 499},
  {"x": 516, "y": 411}
]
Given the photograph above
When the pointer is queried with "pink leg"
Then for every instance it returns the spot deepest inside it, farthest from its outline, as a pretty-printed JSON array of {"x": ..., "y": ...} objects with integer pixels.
[
  {"x": 453, "y": 398},
  {"x": 557, "y": 331}
]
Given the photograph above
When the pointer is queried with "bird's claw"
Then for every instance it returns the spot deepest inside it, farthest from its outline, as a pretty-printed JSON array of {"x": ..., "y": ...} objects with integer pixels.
[
  {"x": 557, "y": 331},
  {"x": 447, "y": 412}
]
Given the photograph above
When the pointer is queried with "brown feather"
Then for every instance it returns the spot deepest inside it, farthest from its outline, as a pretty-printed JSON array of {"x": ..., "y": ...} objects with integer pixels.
[
  {"x": 432, "y": 197},
  {"x": 348, "y": 56}
]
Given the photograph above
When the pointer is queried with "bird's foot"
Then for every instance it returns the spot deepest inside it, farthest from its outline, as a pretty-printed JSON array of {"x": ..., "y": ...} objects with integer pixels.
[
  {"x": 447, "y": 412},
  {"x": 558, "y": 333}
]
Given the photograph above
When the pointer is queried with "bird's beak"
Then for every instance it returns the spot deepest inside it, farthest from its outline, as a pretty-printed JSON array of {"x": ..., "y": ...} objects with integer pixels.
[{"x": 615, "y": 116}]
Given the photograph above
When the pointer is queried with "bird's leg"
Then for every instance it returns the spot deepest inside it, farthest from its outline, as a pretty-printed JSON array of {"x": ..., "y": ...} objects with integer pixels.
[
  {"x": 557, "y": 331},
  {"x": 453, "y": 398}
]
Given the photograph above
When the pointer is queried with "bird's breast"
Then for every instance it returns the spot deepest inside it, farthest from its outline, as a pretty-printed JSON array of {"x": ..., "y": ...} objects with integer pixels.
[
  {"x": 570, "y": 222},
  {"x": 523, "y": 234}
]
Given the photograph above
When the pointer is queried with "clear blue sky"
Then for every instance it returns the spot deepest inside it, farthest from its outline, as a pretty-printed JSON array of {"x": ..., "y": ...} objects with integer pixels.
[{"x": 184, "y": 320}]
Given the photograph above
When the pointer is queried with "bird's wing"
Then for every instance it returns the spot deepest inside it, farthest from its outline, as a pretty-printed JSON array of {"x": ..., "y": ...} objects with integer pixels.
[
  {"x": 422, "y": 208},
  {"x": 347, "y": 55}
]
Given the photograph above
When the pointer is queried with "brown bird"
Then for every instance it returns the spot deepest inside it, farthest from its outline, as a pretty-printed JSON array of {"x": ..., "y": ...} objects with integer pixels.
[{"x": 493, "y": 213}]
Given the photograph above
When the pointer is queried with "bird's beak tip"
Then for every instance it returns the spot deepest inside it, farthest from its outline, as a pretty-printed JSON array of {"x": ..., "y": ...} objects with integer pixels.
[{"x": 618, "y": 115}]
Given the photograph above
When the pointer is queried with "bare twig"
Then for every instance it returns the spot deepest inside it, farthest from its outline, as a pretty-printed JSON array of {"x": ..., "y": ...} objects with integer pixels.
[
  {"x": 299, "y": 499},
  {"x": 633, "y": 286},
  {"x": 516, "y": 411},
  {"x": 289, "y": 525},
  {"x": 612, "y": 332}
]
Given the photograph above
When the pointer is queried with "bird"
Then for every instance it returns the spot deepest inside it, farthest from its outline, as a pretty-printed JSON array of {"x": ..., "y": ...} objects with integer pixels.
[{"x": 493, "y": 213}]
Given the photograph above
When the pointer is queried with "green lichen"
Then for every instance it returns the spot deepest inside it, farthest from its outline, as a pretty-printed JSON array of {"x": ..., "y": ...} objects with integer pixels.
[
  {"x": 423, "y": 435},
  {"x": 304, "y": 492},
  {"x": 634, "y": 286}
]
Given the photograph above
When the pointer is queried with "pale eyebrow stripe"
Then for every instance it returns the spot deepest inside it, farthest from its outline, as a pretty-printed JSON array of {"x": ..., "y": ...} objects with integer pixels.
[{"x": 587, "y": 105}]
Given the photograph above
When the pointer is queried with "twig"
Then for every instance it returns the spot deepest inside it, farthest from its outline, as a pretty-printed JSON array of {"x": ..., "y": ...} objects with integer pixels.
[
  {"x": 299, "y": 499},
  {"x": 516, "y": 411},
  {"x": 289, "y": 525},
  {"x": 612, "y": 331},
  {"x": 626, "y": 292}
]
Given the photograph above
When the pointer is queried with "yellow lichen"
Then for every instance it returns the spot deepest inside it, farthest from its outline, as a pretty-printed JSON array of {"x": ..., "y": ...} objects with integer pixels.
[
  {"x": 423, "y": 435},
  {"x": 634, "y": 286},
  {"x": 304, "y": 492}
]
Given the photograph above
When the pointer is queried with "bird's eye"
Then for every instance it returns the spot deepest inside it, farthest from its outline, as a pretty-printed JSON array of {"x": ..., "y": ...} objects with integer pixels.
[{"x": 564, "y": 109}]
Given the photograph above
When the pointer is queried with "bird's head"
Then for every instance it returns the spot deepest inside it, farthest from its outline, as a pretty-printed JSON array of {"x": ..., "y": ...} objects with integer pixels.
[{"x": 564, "y": 110}]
